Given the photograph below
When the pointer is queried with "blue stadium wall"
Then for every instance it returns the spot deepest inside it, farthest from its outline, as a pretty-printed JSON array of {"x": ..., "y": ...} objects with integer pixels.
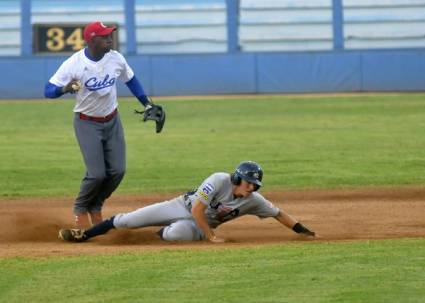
[{"x": 240, "y": 73}]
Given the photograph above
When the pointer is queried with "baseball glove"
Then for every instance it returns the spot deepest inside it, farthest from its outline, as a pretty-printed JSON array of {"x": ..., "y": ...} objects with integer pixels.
[{"x": 155, "y": 113}]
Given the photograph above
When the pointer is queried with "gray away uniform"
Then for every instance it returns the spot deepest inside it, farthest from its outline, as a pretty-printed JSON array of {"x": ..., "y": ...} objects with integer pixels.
[{"x": 216, "y": 192}]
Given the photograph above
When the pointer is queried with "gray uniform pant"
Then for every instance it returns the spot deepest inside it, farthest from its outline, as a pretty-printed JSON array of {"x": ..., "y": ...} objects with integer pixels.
[
  {"x": 102, "y": 145},
  {"x": 174, "y": 215}
]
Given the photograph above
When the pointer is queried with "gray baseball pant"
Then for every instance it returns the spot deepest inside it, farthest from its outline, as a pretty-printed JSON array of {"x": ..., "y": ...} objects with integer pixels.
[
  {"x": 102, "y": 145},
  {"x": 173, "y": 214}
]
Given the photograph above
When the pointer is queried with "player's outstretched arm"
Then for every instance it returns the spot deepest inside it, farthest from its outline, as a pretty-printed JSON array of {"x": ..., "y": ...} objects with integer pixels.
[
  {"x": 152, "y": 111},
  {"x": 293, "y": 224},
  {"x": 137, "y": 90},
  {"x": 198, "y": 213}
]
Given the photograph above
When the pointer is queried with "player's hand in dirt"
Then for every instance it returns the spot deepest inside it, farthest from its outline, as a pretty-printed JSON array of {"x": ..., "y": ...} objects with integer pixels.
[
  {"x": 216, "y": 240},
  {"x": 312, "y": 236}
]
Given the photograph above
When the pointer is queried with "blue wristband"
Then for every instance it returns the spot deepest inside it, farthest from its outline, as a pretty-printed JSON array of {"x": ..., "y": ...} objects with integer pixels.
[{"x": 52, "y": 91}]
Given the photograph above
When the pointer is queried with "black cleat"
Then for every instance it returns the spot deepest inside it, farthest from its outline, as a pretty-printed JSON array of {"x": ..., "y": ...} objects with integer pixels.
[{"x": 72, "y": 235}]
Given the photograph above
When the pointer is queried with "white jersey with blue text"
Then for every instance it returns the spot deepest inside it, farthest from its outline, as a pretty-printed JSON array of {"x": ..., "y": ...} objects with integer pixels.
[
  {"x": 217, "y": 192},
  {"x": 98, "y": 94}
]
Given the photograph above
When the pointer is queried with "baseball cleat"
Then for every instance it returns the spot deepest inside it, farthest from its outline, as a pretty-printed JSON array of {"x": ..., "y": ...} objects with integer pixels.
[{"x": 72, "y": 235}]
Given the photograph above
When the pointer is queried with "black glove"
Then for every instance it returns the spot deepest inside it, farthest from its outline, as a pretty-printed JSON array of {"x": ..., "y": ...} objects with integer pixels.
[
  {"x": 301, "y": 229},
  {"x": 153, "y": 112}
]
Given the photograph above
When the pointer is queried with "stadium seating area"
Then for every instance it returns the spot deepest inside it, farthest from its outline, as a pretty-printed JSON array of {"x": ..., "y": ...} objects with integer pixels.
[
  {"x": 285, "y": 25},
  {"x": 168, "y": 27},
  {"x": 384, "y": 24},
  {"x": 189, "y": 26}
]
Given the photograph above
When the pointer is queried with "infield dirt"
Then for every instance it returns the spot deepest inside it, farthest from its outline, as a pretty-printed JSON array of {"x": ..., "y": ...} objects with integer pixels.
[{"x": 30, "y": 226}]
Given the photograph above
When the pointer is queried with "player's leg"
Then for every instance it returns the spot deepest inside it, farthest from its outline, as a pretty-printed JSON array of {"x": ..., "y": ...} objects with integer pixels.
[
  {"x": 158, "y": 214},
  {"x": 89, "y": 136},
  {"x": 182, "y": 230},
  {"x": 96, "y": 217},
  {"x": 81, "y": 218},
  {"x": 114, "y": 157}
]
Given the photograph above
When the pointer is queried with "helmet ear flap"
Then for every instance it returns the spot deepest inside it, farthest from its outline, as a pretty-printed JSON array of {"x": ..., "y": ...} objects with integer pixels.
[{"x": 235, "y": 179}]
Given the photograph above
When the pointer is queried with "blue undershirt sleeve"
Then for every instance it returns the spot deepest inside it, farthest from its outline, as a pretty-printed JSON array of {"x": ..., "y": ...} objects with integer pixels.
[
  {"x": 136, "y": 88},
  {"x": 52, "y": 91}
]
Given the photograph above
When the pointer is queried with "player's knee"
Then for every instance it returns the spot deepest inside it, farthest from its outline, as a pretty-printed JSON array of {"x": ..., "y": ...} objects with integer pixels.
[
  {"x": 120, "y": 173},
  {"x": 117, "y": 173},
  {"x": 180, "y": 232},
  {"x": 98, "y": 178}
]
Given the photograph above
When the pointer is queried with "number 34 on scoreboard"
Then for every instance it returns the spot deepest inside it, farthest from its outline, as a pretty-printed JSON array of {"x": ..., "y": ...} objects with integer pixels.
[{"x": 62, "y": 38}]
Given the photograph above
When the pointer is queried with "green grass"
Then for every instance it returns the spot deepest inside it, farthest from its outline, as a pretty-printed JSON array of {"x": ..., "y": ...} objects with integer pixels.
[
  {"x": 372, "y": 271},
  {"x": 301, "y": 142}
]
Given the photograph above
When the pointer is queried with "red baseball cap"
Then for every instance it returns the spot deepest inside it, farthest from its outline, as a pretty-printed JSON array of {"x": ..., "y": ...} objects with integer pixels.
[{"x": 96, "y": 29}]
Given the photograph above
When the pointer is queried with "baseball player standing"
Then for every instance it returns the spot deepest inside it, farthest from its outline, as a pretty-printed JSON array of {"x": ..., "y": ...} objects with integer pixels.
[
  {"x": 194, "y": 216},
  {"x": 91, "y": 74}
]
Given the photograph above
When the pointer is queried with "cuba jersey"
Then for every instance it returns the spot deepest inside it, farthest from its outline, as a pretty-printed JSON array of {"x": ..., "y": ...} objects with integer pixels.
[
  {"x": 98, "y": 94},
  {"x": 217, "y": 192}
]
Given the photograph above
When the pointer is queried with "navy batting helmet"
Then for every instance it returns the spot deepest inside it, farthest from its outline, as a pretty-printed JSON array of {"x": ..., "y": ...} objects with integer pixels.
[{"x": 248, "y": 171}]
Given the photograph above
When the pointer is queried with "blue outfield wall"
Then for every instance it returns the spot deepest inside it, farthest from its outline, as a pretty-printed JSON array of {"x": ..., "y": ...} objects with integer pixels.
[{"x": 240, "y": 73}]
